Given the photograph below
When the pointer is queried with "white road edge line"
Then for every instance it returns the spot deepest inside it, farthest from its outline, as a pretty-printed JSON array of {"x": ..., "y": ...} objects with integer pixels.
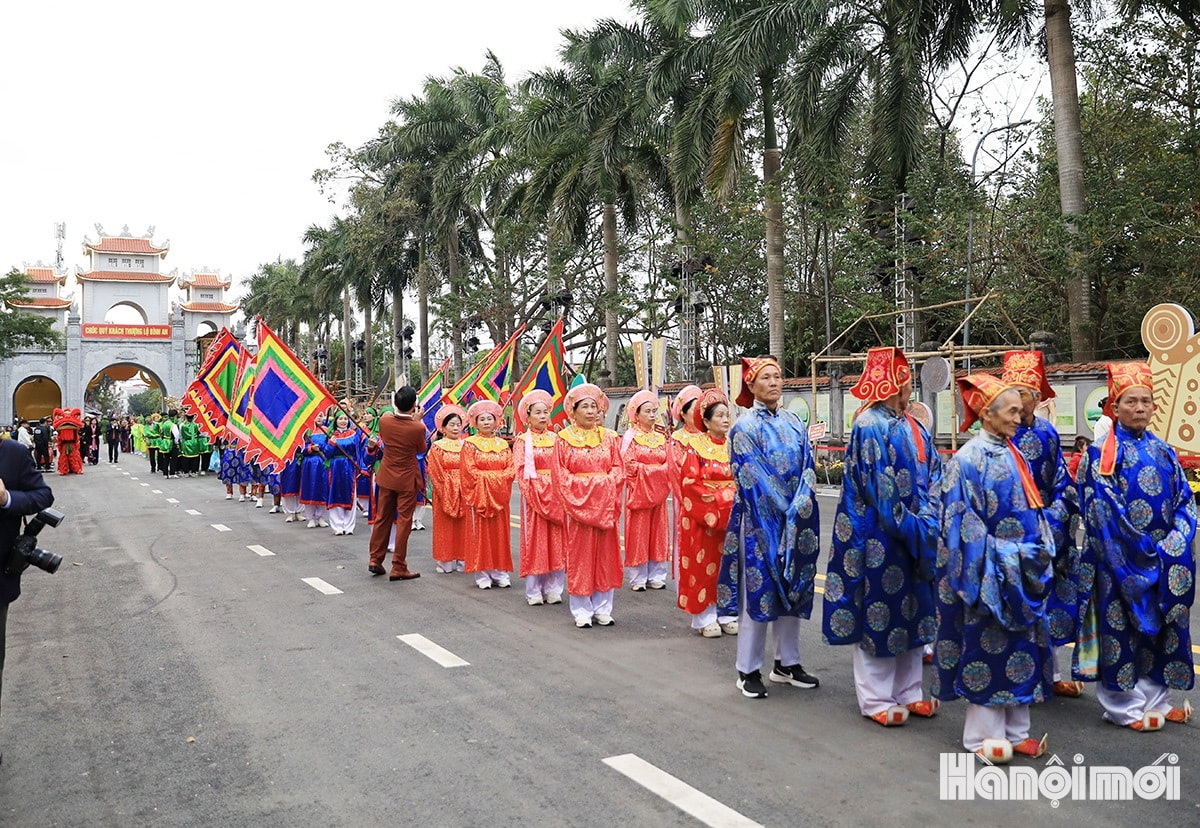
[
  {"x": 261, "y": 551},
  {"x": 322, "y": 586},
  {"x": 220, "y": 527},
  {"x": 680, "y": 794},
  {"x": 191, "y": 511},
  {"x": 433, "y": 651}
]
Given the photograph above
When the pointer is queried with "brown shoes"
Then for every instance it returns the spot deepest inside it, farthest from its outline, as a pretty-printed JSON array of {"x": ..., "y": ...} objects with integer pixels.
[
  {"x": 375, "y": 569},
  {"x": 403, "y": 576}
]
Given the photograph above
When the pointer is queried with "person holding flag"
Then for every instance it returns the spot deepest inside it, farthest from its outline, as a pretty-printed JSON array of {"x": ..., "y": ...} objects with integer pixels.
[
  {"x": 648, "y": 473},
  {"x": 342, "y": 451},
  {"x": 451, "y": 516},
  {"x": 314, "y": 474},
  {"x": 487, "y": 478},
  {"x": 543, "y": 551},
  {"x": 364, "y": 483},
  {"x": 588, "y": 475}
]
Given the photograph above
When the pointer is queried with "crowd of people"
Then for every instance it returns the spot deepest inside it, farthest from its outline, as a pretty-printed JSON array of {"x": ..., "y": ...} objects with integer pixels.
[{"x": 984, "y": 564}]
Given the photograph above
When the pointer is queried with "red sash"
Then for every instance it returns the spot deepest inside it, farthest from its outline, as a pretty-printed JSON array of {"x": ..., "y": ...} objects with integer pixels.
[{"x": 1031, "y": 490}]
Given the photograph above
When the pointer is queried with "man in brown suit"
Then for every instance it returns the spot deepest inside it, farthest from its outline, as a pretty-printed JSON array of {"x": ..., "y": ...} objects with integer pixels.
[{"x": 399, "y": 479}]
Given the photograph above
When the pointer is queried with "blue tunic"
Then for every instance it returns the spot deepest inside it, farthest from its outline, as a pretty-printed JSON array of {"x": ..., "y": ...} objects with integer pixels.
[
  {"x": 314, "y": 475},
  {"x": 343, "y": 452},
  {"x": 289, "y": 478},
  {"x": 879, "y": 585},
  {"x": 994, "y": 570},
  {"x": 1138, "y": 575},
  {"x": 234, "y": 470},
  {"x": 1039, "y": 443},
  {"x": 774, "y": 520}
]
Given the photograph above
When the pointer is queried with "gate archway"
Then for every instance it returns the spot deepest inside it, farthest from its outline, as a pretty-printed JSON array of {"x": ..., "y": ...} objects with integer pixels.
[{"x": 36, "y": 397}]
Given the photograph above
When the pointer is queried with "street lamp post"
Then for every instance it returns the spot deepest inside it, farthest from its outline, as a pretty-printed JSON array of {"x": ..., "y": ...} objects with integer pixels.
[{"x": 971, "y": 227}]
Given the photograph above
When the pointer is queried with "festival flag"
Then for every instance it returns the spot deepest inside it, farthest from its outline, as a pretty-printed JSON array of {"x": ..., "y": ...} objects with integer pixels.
[
  {"x": 545, "y": 371},
  {"x": 430, "y": 397},
  {"x": 641, "y": 364},
  {"x": 210, "y": 396},
  {"x": 461, "y": 392},
  {"x": 237, "y": 426},
  {"x": 658, "y": 363},
  {"x": 285, "y": 399},
  {"x": 494, "y": 380}
]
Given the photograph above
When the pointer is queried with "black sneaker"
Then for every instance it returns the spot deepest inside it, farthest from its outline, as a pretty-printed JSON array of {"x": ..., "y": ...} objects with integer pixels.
[
  {"x": 793, "y": 675},
  {"x": 751, "y": 685}
]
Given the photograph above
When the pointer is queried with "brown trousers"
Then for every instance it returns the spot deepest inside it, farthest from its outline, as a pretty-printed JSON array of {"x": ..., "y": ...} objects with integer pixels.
[{"x": 389, "y": 503}]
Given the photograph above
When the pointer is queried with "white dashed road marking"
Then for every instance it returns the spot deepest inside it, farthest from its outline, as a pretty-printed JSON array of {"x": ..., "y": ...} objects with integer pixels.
[
  {"x": 191, "y": 511},
  {"x": 221, "y": 527},
  {"x": 172, "y": 500},
  {"x": 261, "y": 551},
  {"x": 147, "y": 485},
  {"x": 680, "y": 794},
  {"x": 427, "y": 648},
  {"x": 322, "y": 586},
  {"x": 155, "y": 491}
]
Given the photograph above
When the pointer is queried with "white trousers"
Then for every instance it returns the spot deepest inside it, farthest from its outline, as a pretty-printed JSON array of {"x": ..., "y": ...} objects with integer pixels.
[
  {"x": 1010, "y": 723},
  {"x": 364, "y": 502},
  {"x": 1127, "y": 706},
  {"x": 546, "y": 584},
  {"x": 1058, "y": 672},
  {"x": 584, "y": 607},
  {"x": 490, "y": 576},
  {"x": 291, "y": 504},
  {"x": 654, "y": 571},
  {"x": 708, "y": 615},
  {"x": 882, "y": 682},
  {"x": 752, "y": 640},
  {"x": 315, "y": 511},
  {"x": 342, "y": 520}
]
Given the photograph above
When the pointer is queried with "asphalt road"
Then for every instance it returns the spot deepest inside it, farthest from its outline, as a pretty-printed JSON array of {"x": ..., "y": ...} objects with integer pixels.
[{"x": 170, "y": 675}]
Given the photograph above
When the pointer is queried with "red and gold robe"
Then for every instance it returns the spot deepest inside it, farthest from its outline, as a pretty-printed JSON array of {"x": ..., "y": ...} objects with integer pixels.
[
  {"x": 543, "y": 542},
  {"x": 588, "y": 475},
  {"x": 451, "y": 516},
  {"x": 487, "y": 478},
  {"x": 648, "y": 475},
  {"x": 707, "y": 492}
]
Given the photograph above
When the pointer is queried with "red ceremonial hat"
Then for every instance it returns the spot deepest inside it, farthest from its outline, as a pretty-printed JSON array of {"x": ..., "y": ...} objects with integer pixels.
[
  {"x": 1027, "y": 369},
  {"x": 1125, "y": 375},
  {"x": 751, "y": 366},
  {"x": 978, "y": 392},
  {"x": 710, "y": 397},
  {"x": 885, "y": 371}
]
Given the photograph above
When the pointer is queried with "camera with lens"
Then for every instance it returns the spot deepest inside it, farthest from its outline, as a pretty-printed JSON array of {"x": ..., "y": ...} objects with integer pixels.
[{"x": 25, "y": 550}]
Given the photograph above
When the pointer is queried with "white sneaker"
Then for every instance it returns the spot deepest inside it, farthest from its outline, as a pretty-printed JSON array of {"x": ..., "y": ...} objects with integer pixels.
[
  {"x": 730, "y": 628},
  {"x": 241, "y": 498},
  {"x": 420, "y": 527},
  {"x": 446, "y": 569},
  {"x": 553, "y": 598},
  {"x": 658, "y": 584},
  {"x": 605, "y": 620},
  {"x": 536, "y": 601},
  {"x": 713, "y": 630},
  {"x": 323, "y": 523},
  {"x": 337, "y": 532},
  {"x": 229, "y": 497},
  {"x": 638, "y": 587},
  {"x": 258, "y": 504},
  {"x": 274, "y": 510},
  {"x": 460, "y": 566},
  {"x": 312, "y": 524},
  {"x": 289, "y": 519},
  {"x": 582, "y": 624},
  {"x": 504, "y": 581},
  {"x": 484, "y": 585}
]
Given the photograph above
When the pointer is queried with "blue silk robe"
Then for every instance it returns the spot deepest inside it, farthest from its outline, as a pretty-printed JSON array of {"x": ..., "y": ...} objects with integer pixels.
[
  {"x": 1040, "y": 445},
  {"x": 879, "y": 585},
  {"x": 774, "y": 519},
  {"x": 994, "y": 570},
  {"x": 1138, "y": 574}
]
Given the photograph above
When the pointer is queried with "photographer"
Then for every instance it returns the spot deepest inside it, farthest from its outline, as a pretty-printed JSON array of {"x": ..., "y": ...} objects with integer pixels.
[{"x": 22, "y": 493}]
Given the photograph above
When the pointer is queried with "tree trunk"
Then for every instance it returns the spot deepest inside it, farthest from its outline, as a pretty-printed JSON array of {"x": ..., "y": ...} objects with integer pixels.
[
  {"x": 772, "y": 159},
  {"x": 347, "y": 353},
  {"x": 423, "y": 308},
  {"x": 399, "y": 366},
  {"x": 611, "y": 343},
  {"x": 1060, "y": 54},
  {"x": 452, "y": 276},
  {"x": 369, "y": 351}
]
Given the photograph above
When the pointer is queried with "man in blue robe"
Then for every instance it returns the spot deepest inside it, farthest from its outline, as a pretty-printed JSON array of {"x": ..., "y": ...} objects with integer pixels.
[
  {"x": 1038, "y": 440},
  {"x": 879, "y": 585},
  {"x": 769, "y": 561},
  {"x": 1138, "y": 574},
  {"x": 994, "y": 571}
]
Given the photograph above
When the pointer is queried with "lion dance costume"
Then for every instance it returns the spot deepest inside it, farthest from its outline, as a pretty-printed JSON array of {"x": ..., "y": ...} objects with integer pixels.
[{"x": 67, "y": 422}]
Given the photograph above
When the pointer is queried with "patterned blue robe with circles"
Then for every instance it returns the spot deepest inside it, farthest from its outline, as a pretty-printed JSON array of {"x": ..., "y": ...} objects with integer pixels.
[
  {"x": 1138, "y": 571},
  {"x": 1040, "y": 445},
  {"x": 774, "y": 519},
  {"x": 994, "y": 571},
  {"x": 879, "y": 585}
]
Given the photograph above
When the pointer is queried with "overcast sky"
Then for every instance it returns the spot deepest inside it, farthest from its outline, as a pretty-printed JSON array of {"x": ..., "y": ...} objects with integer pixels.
[{"x": 206, "y": 120}]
